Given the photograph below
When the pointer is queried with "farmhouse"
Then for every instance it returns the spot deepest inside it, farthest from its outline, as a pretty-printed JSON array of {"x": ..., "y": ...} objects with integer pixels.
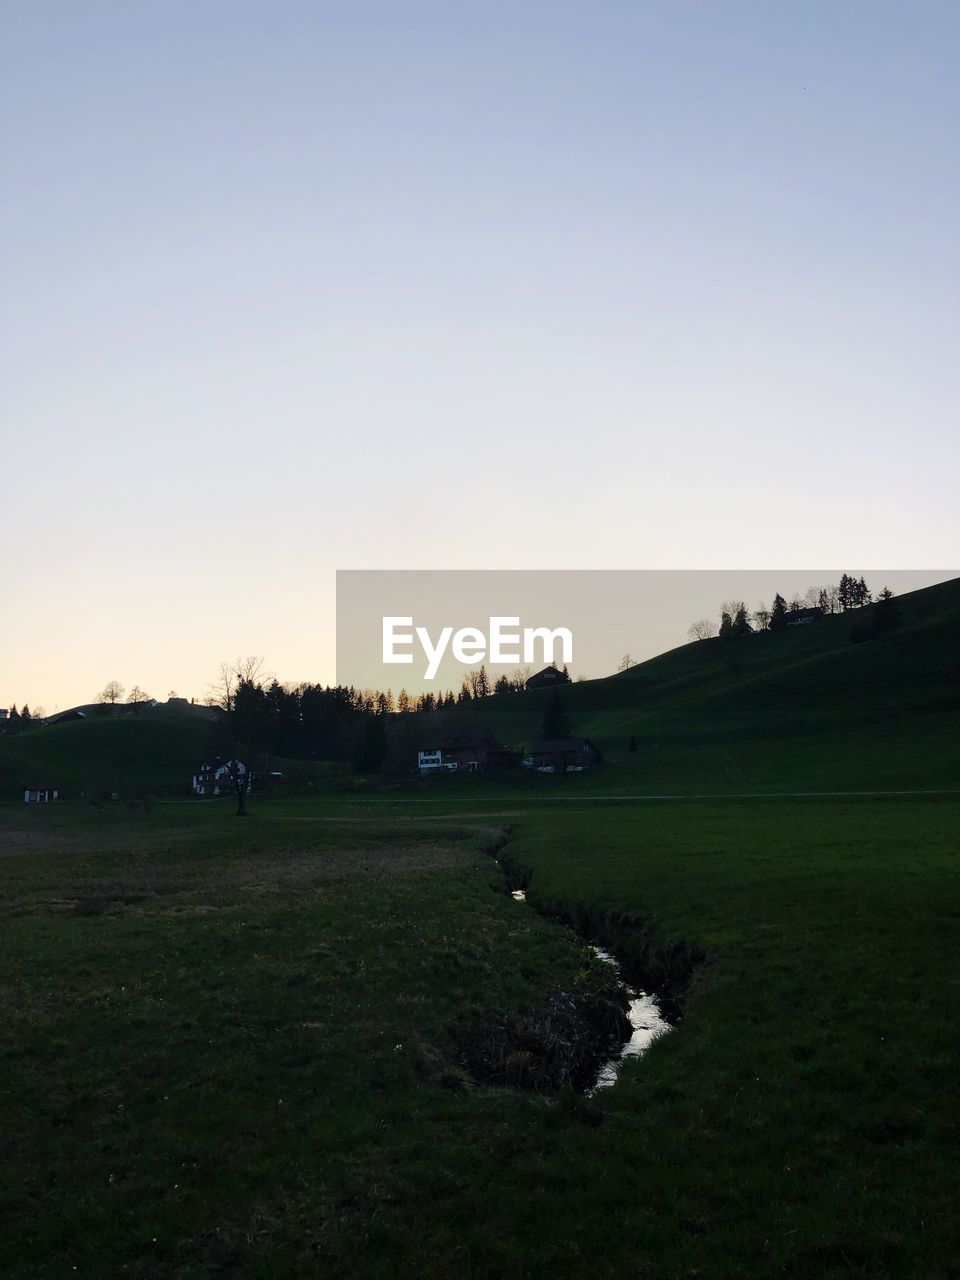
[
  {"x": 562, "y": 755},
  {"x": 548, "y": 677},
  {"x": 469, "y": 753},
  {"x": 216, "y": 777},
  {"x": 798, "y": 617},
  {"x": 41, "y": 794}
]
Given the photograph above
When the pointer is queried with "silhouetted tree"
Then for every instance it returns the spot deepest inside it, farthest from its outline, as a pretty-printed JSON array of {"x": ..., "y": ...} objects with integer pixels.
[
  {"x": 137, "y": 699},
  {"x": 555, "y": 722},
  {"x": 702, "y": 629},
  {"x": 887, "y": 611},
  {"x": 778, "y": 614},
  {"x": 372, "y": 745},
  {"x": 111, "y": 693},
  {"x": 479, "y": 683}
]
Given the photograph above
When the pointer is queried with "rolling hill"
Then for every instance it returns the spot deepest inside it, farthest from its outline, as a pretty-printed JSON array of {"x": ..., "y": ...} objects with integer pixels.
[
  {"x": 804, "y": 708},
  {"x": 153, "y": 752}
]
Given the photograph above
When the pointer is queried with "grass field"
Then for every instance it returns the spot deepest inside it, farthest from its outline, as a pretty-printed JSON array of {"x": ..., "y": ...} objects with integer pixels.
[{"x": 250, "y": 1047}]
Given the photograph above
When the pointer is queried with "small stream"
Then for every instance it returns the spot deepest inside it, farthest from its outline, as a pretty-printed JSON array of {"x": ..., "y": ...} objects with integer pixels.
[{"x": 644, "y": 1014}]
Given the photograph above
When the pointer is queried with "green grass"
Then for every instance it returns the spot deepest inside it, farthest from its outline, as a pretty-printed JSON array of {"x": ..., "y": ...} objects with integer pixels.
[
  {"x": 263, "y": 1048},
  {"x": 152, "y": 754},
  {"x": 241, "y": 1047},
  {"x": 130, "y": 755},
  {"x": 770, "y": 692}
]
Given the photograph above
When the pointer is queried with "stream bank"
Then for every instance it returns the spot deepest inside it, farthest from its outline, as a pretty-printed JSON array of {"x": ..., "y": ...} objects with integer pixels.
[{"x": 631, "y": 993}]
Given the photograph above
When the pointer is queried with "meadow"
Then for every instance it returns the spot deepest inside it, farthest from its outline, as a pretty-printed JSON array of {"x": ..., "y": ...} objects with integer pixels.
[
  {"x": 324, "y": 1040},
  {"x": 258, "y": 1047}
]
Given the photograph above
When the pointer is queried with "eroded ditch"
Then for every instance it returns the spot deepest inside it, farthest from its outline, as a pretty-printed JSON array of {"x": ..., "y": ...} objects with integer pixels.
[{"x": 583, "y": 1039}]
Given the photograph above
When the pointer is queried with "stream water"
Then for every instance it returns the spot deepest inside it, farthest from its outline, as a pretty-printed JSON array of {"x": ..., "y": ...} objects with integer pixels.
[{"x": 646, "y": 1020}]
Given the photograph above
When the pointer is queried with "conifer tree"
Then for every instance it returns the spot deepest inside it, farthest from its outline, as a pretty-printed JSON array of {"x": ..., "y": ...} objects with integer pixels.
[{"x": 555, "y": 722}]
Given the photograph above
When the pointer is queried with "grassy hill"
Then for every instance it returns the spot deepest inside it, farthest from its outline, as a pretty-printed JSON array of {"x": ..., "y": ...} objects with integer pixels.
[
  {"x": 153, "y": 752},
  {"x": 803, "y": 707},
  {"x": 807, "y": 707}
]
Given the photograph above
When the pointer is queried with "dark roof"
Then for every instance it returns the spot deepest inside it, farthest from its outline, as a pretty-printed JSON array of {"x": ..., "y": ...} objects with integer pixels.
[
  {"x": 463, "y": 741},
  {"x": 549, "y": 746},
  {"x": 549, "y": 675}
]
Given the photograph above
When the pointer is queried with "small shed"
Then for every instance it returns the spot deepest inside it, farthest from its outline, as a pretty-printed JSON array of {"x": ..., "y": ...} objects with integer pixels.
[
  {"x": 547, "y": 678},
  {"x": 41, "y": 794}
]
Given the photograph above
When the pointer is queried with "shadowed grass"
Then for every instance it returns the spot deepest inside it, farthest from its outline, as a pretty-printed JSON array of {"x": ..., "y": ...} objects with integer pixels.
[{"x": 252, "y": 1055}]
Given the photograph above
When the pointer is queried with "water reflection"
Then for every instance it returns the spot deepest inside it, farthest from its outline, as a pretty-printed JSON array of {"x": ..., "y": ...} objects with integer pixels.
[
  {"x": 645, "y": 1019},
  {"x": 643, "y": 1013}
]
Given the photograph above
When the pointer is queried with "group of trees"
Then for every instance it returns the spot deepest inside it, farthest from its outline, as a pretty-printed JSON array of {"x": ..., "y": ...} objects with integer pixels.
[
  {"x": 22, "y": 720},
  {"x": 736, "y": 619},
  {"x": 342, "y": 724},
  {"x": 112, "y": 693}
]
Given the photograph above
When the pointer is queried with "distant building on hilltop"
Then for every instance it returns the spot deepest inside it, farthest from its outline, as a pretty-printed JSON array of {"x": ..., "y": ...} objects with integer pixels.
[
  {"x": 798, "y": 617},
  {"x": 547, "y": 678},
  {"x": 562, "y": 755}
]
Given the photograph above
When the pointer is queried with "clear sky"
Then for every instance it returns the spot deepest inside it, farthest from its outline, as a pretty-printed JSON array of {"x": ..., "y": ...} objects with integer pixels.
[{"x": 291, "y": 287}]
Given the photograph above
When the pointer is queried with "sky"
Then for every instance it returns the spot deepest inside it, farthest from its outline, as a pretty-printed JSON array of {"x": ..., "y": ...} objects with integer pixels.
[{"x": 298, "y": 287}]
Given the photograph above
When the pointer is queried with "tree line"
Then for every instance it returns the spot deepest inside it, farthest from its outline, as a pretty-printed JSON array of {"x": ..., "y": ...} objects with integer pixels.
[
  {"x": 737, "y": 620},
  {"x": 22, "y": 720}
]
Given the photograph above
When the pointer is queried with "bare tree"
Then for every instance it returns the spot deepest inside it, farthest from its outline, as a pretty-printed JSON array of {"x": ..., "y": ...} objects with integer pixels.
[
  {"x": 626, "y": 662},
  {"x": 703, "y": 629},
  {"x": 111, "y": 692},
  {"x": 223, "y": 690},
  {"x": 241, "y": 782},
  {"x": 137, "y": 699}
]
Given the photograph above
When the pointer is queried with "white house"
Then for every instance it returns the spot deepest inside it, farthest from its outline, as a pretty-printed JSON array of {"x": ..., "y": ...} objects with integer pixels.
[
  {"x": 433, "y": 762},
  {"x": 40, "y": 795},
  {"x": 217, "y": 777}
]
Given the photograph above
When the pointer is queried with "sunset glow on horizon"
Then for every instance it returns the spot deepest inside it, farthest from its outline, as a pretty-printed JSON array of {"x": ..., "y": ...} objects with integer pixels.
[{"x": 297, "y": 288}]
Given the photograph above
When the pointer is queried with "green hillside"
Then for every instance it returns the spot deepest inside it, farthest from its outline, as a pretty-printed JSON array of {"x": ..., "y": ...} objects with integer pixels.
[
  {"x": 804, "y": 707},
  {"x": 154, "y": 752}
]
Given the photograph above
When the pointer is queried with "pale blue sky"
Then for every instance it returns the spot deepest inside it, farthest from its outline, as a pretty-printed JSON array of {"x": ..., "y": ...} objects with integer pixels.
[{"x": 291, "y": 287}]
